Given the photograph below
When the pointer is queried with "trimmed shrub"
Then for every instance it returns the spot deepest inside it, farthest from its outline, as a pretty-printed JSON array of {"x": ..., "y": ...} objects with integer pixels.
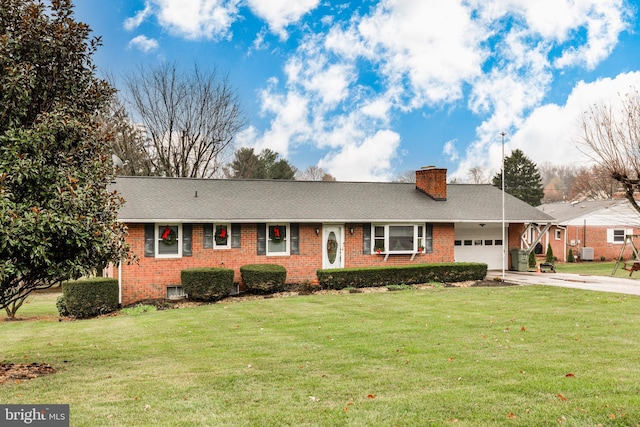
[
  {"x": 532, "y": 259},
  {"x": 397, "y": 275},
  {"x": 264, "y": 278},
  {"x": 88, "y": 297},
  {"x": 570, "y": 257},
  {"x": 207, "y": 284}
]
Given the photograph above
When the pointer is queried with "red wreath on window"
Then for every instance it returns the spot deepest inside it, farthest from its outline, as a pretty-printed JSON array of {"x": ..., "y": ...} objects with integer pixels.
[
  {"x": 168, "y": 236},
  {"x": 221, "y": 236},
  {"x": 276, "y": 233}
]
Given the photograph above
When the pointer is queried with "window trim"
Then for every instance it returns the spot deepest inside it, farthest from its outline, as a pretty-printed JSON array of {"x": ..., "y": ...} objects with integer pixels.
[
  {"x": 611, "y": 235},
  {"x": 216, "y": 246},
  {"x": 287, "y": 239},
  {"x": 419, "y": 238},
  {"x": 157, "y": 239},
  {"x": 558, "y": 234}
]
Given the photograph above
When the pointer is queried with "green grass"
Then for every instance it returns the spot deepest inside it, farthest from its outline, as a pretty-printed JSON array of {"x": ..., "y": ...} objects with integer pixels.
[
  {"x": 595, "y": 269},
  {"x": 515, "y": 356}
]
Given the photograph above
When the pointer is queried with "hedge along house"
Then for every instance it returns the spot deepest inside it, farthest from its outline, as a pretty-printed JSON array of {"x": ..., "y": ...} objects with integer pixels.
[{"x": 180, "y": 223}]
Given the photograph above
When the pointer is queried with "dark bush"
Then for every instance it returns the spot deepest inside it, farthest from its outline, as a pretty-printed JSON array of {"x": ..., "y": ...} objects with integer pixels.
[
  {"x": 207, "y": 284},
  {"x": 397, "y": 275},
  {"x": 62, "y": 306},
  {"x": 89, "y": 297},
  {"x": 264, "y": 278}
]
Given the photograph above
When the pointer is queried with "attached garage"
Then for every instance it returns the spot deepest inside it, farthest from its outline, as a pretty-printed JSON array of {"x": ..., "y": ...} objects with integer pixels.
[{"x": 479, "y": 243}]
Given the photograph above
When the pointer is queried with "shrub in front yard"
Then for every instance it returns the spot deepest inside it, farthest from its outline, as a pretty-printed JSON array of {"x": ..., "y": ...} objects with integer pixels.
[
  {"x": 264, "y": 278},
  {"x": 396, "y": 275},
  {"x": 207, "y": 284},
  {"x": 549, "y": 255},
  {"x": 88, "y": 297}
]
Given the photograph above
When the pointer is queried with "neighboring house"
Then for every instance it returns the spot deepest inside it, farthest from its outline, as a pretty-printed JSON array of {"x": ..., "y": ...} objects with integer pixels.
[
  {"x": 179, "y": 223},
  {"x": 592, "y": 230}
]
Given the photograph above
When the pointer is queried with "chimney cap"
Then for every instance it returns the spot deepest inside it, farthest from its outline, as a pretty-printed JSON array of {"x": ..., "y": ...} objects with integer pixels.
[{"x": 427, "y": 167}]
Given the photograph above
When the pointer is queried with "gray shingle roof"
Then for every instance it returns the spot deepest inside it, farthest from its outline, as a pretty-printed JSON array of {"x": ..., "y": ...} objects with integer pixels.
[
  {"x": 567, "y": 211},
  {"x": 617, "y": 212},
  {"x": 150, "y": 199}
]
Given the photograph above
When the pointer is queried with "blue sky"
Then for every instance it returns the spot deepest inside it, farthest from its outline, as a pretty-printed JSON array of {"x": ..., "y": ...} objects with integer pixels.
[{"x": 370, "y": 89}]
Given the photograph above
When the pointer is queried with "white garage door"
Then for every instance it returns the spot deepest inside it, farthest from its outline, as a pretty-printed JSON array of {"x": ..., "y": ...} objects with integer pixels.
[{"x": 474, "y": 243}]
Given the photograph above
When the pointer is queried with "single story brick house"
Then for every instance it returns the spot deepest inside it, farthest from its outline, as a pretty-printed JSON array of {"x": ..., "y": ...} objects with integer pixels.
[
  {"x": 179, "y": 223},
  {"x": 592, "y": 230}
]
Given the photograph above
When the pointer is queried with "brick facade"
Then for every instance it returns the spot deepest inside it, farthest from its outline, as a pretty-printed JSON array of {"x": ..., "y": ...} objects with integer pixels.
[
  {"x": 590, "y": 236},
  {"x": 150, "y": 277}
]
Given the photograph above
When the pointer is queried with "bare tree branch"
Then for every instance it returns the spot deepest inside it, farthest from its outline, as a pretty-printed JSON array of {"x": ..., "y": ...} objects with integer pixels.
[
  {"x": 188, "y": 119},
  {"x": 611, "y": 137}
]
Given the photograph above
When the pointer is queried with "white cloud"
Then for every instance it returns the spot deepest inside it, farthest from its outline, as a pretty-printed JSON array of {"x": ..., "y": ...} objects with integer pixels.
[
  {"x": 551, "y": 132},
  {"x": 554, "y": 22},
  {"x": 425, "y": 50},
  {"x": 450, "y": 150},
  {"x": 289, "y": 124},
  {"x": 135, "y": 21},
  {"x": 370, "y": 160},
  {"x": 196, "y": 19},
  {"x": 281, "y": 13},
  {"x": 343, "y": 88},
  {"x": 143, "y": 43}
]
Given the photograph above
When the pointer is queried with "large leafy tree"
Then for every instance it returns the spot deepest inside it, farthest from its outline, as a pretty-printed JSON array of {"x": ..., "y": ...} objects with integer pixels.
[
  {"x": 57, "y": 217},
  {"x": 522, "y": 178}
]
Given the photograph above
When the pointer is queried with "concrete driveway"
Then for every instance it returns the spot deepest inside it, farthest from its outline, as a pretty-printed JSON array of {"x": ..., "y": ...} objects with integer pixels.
[{"x": 566, "y": 280}]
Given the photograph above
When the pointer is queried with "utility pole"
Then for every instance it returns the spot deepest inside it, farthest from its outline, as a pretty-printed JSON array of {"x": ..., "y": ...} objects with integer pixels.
[{"x": 504, "y": 244}]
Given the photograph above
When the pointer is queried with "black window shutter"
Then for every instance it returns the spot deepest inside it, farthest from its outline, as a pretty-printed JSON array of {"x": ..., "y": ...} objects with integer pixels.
[
  {"x": 187, "y": 230},
  {"x": 428, "y": 238},
  {"x": 295, "y": 238},
  {"x": 262, "y": 238},
  {"x": 207, "y": 236},
  {"x": 236, "y": 232},
  {"x": 366, "y": 238},
  {"x": 149, "y": 240}
]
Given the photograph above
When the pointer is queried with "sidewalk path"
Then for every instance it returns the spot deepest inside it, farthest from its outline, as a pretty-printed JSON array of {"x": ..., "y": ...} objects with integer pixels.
[{"x": 566, "y": 280}]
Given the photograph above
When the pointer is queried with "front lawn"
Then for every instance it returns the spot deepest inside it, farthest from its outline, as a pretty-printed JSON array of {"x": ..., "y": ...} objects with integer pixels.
[
  {"x": 595, "y": 268},
  {"x": 515, "y": 356}
]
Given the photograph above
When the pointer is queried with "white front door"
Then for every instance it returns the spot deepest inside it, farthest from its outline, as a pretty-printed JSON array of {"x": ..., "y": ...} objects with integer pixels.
[{"x": 332, "y": 246}]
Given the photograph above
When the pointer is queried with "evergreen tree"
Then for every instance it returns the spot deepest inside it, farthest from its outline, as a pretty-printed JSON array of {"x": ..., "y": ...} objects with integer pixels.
[
  {"x": 549, "y": 255},
  {"x": 522, "y": 178},
  {"x": 266, "y": 165}
]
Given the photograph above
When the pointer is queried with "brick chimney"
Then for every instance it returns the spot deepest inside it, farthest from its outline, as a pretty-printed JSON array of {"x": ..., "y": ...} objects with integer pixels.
[{"x": 432, "y": 181}]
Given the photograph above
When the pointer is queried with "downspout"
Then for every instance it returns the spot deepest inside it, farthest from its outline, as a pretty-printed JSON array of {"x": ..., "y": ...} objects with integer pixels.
[{"x": 120, "y": 283}]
